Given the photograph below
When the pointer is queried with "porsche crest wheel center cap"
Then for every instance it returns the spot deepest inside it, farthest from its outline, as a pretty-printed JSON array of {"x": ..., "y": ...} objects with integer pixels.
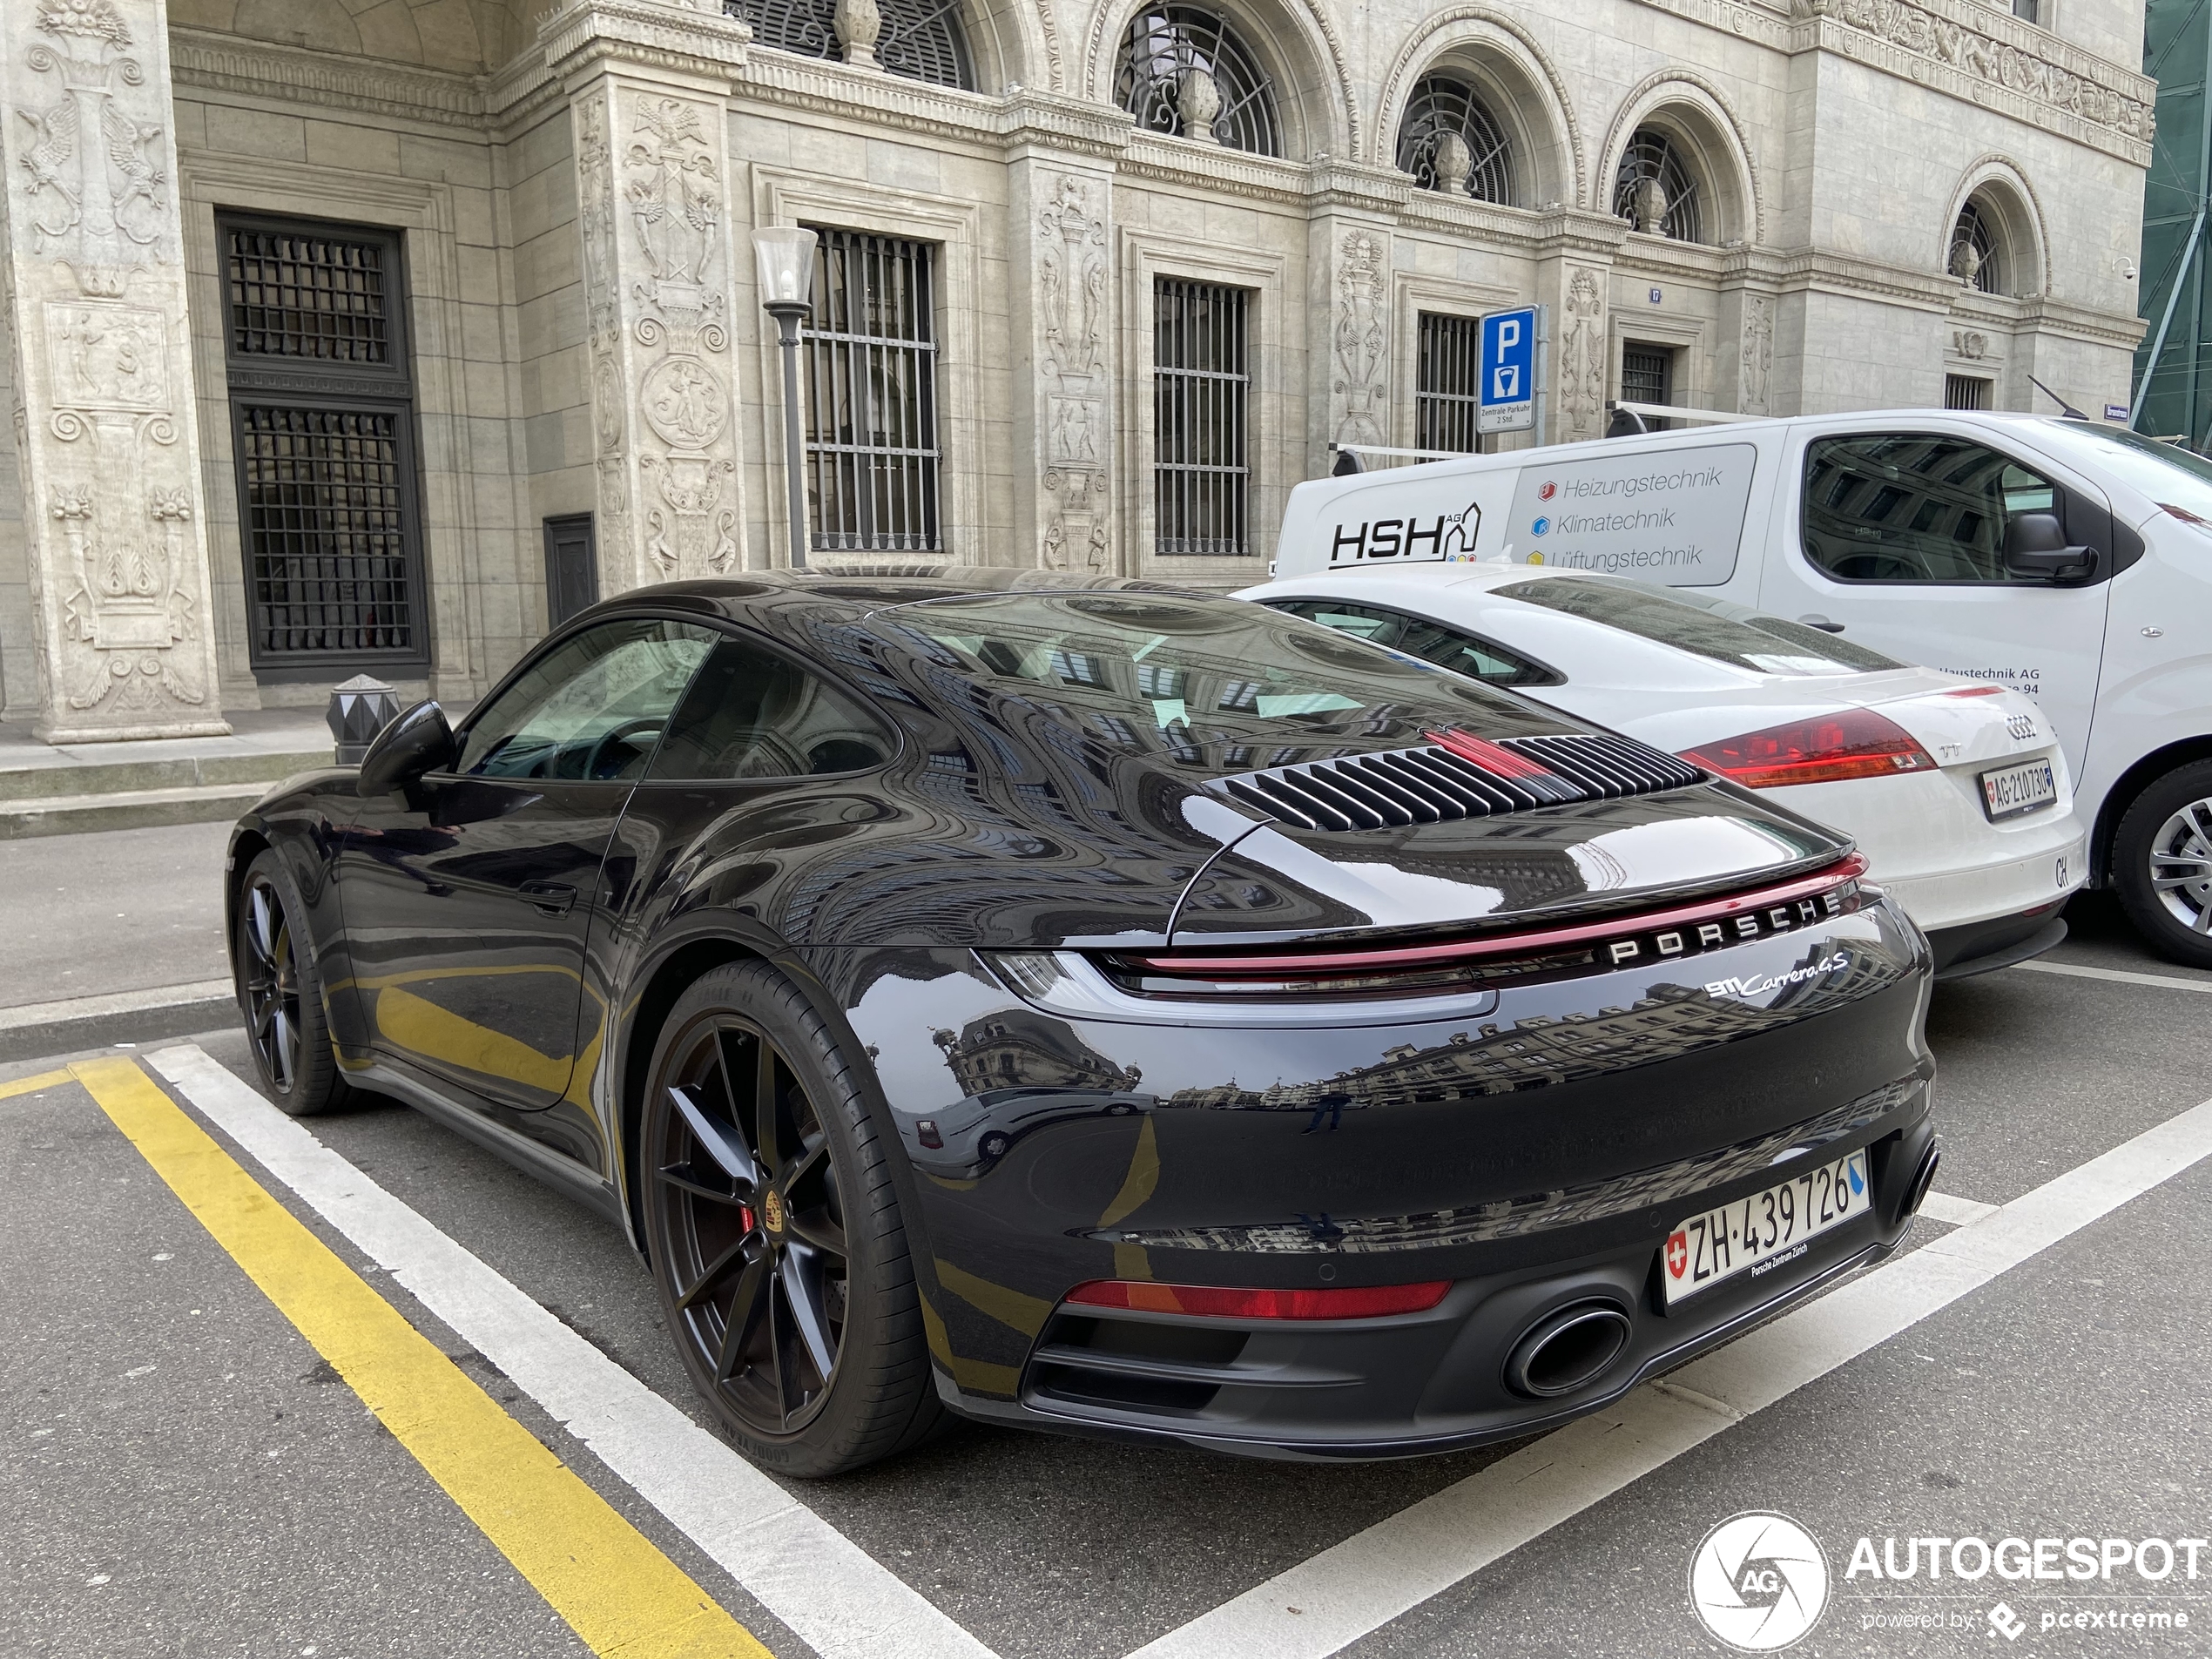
[{"x": 771, "y": 1211}]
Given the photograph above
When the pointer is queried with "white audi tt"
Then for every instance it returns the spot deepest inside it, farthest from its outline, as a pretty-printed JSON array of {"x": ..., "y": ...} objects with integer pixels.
[{"x": 1955, "y": 790}]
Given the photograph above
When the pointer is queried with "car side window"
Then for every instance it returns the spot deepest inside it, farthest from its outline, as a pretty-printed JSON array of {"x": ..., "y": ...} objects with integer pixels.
[
  {"x": 752, "y": 713},
  {"x": 591, "y": 708},
  {"x": 1432, "y": 642},
  {"x": 1914, "y": 508}
]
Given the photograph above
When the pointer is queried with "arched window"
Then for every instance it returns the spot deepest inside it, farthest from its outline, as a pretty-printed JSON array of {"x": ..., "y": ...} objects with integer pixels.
[
  {"x": 921, "y": 39},
  {"x": 1184, "y": 71},
  {"x": 1655, "y": 189},
  {"x": 1974, "y": 257},
  {"x": 1445, "y": 105}
]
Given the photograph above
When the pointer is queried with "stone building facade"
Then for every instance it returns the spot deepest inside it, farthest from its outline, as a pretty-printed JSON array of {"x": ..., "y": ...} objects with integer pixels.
[{"x": 356, "y": 336}]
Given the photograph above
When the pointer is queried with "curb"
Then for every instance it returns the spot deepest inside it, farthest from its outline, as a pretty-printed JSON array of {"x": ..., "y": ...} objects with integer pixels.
[{"x": 39, "y": 1029}]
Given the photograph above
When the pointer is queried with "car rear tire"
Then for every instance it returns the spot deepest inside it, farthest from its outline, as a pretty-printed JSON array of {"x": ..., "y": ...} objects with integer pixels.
[
  {"x": 775, "y": 1234},
  {"x": 280, "y": 993},
  {"x": 2162, "y": 864}
]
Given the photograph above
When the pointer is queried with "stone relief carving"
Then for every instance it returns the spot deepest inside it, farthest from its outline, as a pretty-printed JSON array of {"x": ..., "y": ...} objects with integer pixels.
[
  {"x": 670, "y": 183},
  {"x": 1969, "y": 343},
  {"x": 1987, "y": 58},
  {"x": 1361, "y": 339},
  {"x": 95, "y": 276},
  {"x": 1582, "y": 352},
  {"x": 1071, "y": 293},
  {"x": 595, "y": 224},
  {"x": 1758, "y": 353}
]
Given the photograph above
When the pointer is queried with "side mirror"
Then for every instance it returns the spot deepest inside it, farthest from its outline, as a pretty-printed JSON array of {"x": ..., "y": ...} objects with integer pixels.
[
  {"x": 419, "y": 741},
  {"x": 2035, "y": 547}
]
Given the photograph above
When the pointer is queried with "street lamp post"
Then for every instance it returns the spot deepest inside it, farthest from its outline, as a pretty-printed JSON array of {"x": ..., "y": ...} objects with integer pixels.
[{"x": 785, "y": 254}]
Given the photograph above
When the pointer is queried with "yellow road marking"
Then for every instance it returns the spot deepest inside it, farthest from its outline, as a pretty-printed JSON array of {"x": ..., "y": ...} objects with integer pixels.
[
  {"x": 618, "y": 1593},
  {"x": 32, "y": 1085}
]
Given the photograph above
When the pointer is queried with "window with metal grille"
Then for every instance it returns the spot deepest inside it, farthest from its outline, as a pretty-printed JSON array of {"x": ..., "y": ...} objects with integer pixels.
[
  {"x": 1164, "y": 46},
  {"x": 1653, "y": 159},
  {"x": 1202, "y": 380},
  {"x": 1647, "y": 376},
  {"x": 1444, "y": 103},
  {"x": 921, "y": 39},
  {"x": 322, "y": 423},
  {"x": 1445, "y": 405},
  {"x": 1973, "y": 250},
  {"x": 2028, "y": 11},
  {"x": 872, "y": 453},
  {"x": 1965, "y": 392}
]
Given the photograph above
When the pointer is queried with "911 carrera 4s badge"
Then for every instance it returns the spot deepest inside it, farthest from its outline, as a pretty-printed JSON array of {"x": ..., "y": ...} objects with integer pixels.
[{"x": 1748, "y": 989}]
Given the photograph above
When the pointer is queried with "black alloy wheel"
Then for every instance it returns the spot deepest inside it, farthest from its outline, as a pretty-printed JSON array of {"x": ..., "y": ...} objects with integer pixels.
[
  {"x": 279, "y": 994},
  {"x": 774, "y": 1233},
  {"x": 2162, "y": 864}
]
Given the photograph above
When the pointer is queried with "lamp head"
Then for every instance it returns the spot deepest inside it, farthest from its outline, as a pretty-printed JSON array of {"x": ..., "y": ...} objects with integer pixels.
[{"x": 785, "y": 254}]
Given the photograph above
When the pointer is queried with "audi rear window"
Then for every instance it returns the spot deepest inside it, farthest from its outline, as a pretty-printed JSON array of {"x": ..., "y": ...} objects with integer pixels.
[{"x": 1714, "y": 628}]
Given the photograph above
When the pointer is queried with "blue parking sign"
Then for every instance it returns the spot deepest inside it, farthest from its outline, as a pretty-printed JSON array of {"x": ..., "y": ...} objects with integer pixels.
[{"x": 1508, "y": 391}]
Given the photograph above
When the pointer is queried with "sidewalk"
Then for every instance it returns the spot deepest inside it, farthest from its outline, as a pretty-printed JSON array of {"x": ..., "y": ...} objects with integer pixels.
[{"x": 111, "y": 934}]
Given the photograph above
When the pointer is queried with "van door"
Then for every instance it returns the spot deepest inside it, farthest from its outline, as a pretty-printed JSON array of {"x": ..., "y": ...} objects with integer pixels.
[{"x": 1897, "y": 534}]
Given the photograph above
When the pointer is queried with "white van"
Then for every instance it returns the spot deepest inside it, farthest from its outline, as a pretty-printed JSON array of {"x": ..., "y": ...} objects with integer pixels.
[{"x": 2061, "y": 558}]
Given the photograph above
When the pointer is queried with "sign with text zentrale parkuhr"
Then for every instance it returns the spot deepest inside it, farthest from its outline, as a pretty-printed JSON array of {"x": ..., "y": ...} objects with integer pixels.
[{"x": 1506, "y": 387}]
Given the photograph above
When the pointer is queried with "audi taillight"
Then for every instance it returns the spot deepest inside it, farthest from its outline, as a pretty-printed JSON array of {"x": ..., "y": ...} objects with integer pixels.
[
  {"x": 1855, "y": 742},
  {"x": 1221, "y": 1302}
]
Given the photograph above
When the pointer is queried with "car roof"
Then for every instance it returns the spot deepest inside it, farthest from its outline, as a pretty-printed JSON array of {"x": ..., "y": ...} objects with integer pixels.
[{"x": 856, "y": 591}]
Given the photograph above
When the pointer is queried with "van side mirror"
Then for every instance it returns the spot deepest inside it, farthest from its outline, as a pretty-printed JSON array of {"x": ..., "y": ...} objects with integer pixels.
[
  {"x": 2035, "y": 547},
  {"x": 418, "y": 741}
]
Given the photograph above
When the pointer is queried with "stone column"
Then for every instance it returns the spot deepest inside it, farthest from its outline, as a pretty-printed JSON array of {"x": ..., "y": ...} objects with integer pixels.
[
  {"x": 1574, "y": 269},
  {"x": 1349, "y": 284},
  {"x": 1060, "y": 252},
  {"x": 92, "y": 286},
  {"x": 649, "y": 84}
]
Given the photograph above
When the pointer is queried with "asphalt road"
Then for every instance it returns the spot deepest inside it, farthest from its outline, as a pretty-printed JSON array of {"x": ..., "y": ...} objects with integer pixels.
[{"x": 189, "y": 1477}]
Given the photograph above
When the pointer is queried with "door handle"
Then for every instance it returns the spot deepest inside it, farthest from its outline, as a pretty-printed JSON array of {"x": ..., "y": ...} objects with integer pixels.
[
  {"x": 548, "y": 898},
  {"x": 1816, "y": 620}
]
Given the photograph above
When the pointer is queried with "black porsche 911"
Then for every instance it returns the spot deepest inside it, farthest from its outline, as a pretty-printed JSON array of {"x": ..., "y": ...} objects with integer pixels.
[{"x": 1103, "y": 1009}]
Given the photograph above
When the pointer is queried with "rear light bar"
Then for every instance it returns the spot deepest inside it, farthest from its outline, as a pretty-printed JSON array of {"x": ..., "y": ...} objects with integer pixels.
[
  {"x": 1854, "y": 743},
  {"x": 1975, "y": 690},
  {"x": 1464, "y": 964},
  {"x": 1217, "y": 1302}
]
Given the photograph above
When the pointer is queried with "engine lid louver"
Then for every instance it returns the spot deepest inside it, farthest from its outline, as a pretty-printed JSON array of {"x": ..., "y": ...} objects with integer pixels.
[{"x": 1458, "y": 777}]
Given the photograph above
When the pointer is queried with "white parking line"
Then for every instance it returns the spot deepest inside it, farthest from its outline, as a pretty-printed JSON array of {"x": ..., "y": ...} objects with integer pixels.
[
  {"x": 2164, "y": 982},
  {"x": 1952, "y": 1211},
  {"x": 1331, "y": 1601},
  {"x": 830, "y": 1592}
]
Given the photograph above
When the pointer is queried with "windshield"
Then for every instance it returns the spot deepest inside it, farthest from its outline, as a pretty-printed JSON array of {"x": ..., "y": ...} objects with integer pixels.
[
  {"x": 1705, "y": 627},
  {"x": 2167, "y": 473},
  {"x": 1221, "y": 684}
]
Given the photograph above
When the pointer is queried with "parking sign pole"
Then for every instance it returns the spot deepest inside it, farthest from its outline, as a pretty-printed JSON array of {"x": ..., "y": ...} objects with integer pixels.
[{"x": 1540, "y": 393}]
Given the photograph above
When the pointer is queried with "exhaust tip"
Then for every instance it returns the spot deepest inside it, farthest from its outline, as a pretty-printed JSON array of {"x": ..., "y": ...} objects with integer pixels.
[
  {"x": 1567, "y": 1350},
  {"x": 1923, "y": 1178}
]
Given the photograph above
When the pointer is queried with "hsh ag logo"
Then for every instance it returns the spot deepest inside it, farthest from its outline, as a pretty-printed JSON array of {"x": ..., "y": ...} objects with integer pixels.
[
  {"x": 1541, "y": 527},
  {"x": 1546, "y": 491}
]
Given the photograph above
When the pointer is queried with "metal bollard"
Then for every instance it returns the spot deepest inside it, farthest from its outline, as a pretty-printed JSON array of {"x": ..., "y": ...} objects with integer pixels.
[{"x": 359, "y": 710}]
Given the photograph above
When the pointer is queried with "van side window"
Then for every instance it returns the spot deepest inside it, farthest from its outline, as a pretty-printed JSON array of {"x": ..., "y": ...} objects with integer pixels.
[
  {"x": 1914, "y": 508},
  {"x": 1417, "y": 637}
]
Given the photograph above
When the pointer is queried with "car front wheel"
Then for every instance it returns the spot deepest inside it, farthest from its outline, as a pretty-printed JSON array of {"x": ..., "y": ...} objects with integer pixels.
[
  {"x": 2162, "y": 864},
  {"x": 279, "y": 994},
  {"x": 775, "y": 1233}
]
